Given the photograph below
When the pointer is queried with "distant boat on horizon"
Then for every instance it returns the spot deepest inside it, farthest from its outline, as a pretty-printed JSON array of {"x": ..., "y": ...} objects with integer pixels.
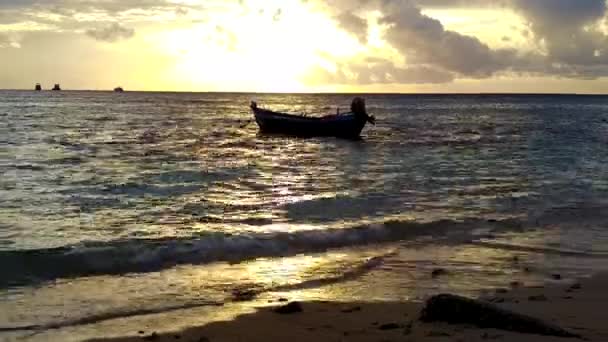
[
  {"x": 57, "y": 87},
  {"x": 38, "y": 87},
  {"x": 118, "y": 90}
]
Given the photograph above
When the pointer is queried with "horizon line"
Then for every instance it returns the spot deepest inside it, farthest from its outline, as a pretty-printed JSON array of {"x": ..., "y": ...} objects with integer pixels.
[{"x": 306, "y": 93}]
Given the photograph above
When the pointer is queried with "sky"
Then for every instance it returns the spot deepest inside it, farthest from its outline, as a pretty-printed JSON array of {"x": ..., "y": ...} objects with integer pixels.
[{"x": 402, "y": 46}]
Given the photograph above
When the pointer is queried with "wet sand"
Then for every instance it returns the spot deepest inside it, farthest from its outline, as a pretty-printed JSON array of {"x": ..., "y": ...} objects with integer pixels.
[{"x": 578, "y": 307}]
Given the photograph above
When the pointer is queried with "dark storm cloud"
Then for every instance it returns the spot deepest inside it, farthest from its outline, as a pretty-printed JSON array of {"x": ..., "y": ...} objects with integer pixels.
[{"x": 111, "y": 33}]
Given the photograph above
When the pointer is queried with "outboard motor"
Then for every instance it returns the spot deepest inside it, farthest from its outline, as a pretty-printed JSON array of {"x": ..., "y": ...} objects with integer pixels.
[{"x": 357, "y": 107}]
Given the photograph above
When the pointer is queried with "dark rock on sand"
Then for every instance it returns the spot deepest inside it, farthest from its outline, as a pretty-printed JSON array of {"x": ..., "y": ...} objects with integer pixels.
[
  {"x": 408, "y": 328},
  {"x": 349, "y": 310},
  {"x": 460, "y": 310},
  {"x": 556, "y": 276},
  {"x": 290, "y": 308},
  {"x": 243, "y": 295},
  {"x": 283, "y": 300},
  {"x": 152, "y": 337},
  {"x": 438, "y": 272}
]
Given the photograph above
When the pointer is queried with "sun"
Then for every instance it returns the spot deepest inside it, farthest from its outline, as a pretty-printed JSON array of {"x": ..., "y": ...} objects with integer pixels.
[{"x": 268, "y": 46}]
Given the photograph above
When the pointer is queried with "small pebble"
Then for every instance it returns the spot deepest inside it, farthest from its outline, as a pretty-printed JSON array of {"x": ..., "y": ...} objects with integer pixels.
[
  {"x": 537, "y": 298},
  {"x": 438, "y": 272},
  {"x": 389, "y": 326}
]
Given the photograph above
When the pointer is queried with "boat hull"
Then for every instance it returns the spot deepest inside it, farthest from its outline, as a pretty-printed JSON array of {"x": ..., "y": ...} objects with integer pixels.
[{"x": 341, "y": 126}]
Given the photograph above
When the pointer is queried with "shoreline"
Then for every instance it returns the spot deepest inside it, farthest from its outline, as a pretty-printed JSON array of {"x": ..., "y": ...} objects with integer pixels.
[{"x": 574, "y": 306}]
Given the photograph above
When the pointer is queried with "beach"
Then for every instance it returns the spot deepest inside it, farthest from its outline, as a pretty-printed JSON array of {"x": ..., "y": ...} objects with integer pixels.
[{"x": 577, "y": 306}]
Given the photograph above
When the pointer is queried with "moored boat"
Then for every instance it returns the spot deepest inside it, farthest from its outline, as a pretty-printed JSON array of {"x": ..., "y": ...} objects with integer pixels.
[
  {"x": 348, "y": 125},
  {"x": 57, "y": 87},
  {"x": 118, "y": 90},
  {"x": 38, "y": 87}
]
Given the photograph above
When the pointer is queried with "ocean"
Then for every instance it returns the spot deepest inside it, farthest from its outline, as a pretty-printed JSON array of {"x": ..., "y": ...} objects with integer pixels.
[{"x": 165, "y": 210}]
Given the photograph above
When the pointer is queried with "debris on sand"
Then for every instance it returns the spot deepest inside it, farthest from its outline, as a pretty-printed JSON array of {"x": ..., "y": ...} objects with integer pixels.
[
  {"x": 290, "y": 308},
  {"x": 460, "y": 310}
]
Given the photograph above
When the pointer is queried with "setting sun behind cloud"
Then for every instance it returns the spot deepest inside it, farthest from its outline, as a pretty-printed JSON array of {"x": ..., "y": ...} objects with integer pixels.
[
  {"x": 314, "y": 45},
  {"x": 259, "y": 48}
]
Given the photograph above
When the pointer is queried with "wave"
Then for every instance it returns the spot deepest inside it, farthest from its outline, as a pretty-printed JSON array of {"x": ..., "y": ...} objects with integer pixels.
[
  {"x": 24, "y": 267},
  {"x": 106, "y": 316},
  {"x": 239, "y": 294},
  {"x": 540, "y": 249}
]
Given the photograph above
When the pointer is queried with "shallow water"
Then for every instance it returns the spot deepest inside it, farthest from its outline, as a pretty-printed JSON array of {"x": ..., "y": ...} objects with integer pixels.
[{"x": 136, "y": 205}]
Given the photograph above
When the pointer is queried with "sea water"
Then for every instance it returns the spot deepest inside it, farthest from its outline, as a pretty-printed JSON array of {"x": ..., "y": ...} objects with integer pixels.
[{"x": 156, "y": 211}]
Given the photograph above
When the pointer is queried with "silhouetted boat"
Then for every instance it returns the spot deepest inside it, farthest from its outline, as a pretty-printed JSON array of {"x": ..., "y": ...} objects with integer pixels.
[
  {"x": 118, "y": 90},
  {"x": 348, "y": 125},
  {"x": 38, "y": 87},
  {"x": 56, "y": 87}
]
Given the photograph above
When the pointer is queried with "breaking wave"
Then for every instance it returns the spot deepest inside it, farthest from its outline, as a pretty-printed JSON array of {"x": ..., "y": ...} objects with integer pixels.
[{"x": 25, "y": 267}]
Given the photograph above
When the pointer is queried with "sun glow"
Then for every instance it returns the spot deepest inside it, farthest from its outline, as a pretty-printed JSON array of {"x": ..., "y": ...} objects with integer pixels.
[{"x": 269, "y": 47}]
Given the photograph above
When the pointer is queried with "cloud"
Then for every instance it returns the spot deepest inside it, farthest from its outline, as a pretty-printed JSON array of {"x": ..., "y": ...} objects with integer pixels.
[
  {"x": 353, "y": 24},
  {"x": 8, "y": 41},
  {"x": 424, "y": 40},
  {"x": 111, "y": 33},
  {"x": 381, "y": 71},
  {"x": 566, "y": 29},
  {"x": 432, "y": 53},
  {"x": 277, "y": 15},
  {"x": 569, "y": 40}
]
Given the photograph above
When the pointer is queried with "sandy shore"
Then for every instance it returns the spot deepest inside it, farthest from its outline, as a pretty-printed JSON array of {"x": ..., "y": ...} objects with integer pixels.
[{"x": 578, "y": 308}]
